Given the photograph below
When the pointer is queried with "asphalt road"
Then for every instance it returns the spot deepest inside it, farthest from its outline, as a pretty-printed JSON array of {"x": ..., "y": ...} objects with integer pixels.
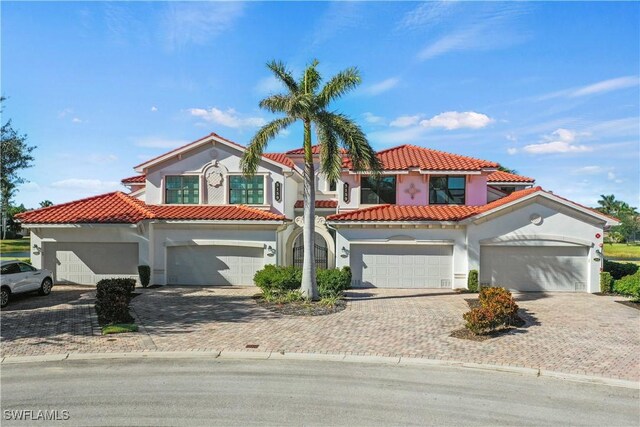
[{"x": 158, "y": 392}]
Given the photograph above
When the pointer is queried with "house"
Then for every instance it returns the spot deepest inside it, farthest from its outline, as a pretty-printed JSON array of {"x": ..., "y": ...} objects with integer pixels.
[{"x": 429, "y": 219}]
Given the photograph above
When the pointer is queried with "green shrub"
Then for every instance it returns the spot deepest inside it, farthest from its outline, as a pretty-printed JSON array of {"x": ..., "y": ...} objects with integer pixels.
[
  {"x": 112, "y": 300},
  {"x": 144, "y": 272},
  {"x": 278, "y": 279},
  {"x": 497, "y": 308},
  {"x": 606, "y": 282},
  {"x": 333, "y": 282},
  {"x": 119, "y": 328},
  {"x": 472, "y": 281},
  {"x": 620, "y": 269},
  {"x": 629, "y": 285}
]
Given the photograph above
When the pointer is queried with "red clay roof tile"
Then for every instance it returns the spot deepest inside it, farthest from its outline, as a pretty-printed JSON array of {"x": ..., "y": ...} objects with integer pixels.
[
  {"x": 319, "y": 204},
  {"x": 137, "y": 179},
  {"x": 407, "y": 213},
  {"x": 500, "y": 176},
  {"x": 408, "y": 156}
]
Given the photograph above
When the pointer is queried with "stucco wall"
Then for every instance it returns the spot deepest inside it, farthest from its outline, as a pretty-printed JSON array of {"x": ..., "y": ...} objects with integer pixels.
[
  {"x": 557, "y": 221},
  {"x": 476, "y": 191}
]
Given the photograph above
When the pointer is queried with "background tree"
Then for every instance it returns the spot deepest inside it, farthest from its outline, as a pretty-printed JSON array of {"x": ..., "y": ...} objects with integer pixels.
[
  {"x": 46, "y": 203},
  {"x": 15, "y": 155},
  {"x": 507, "y": 170},
  {"x": 307, "y": 102},
  {"x": 608, "y": 204},
  {"x": 629, "y": 227}
]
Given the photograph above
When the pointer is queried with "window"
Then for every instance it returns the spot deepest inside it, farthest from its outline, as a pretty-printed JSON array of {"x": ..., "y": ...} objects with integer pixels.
[
  {"x": 333, "y": 184},
  {"x": 249, "y": 191},
  {"x": 182, "y": 190},
  {"x": 508, "y": 190},
  {"x": 10, "y": 269},
  {"x": 447, "y": 190},
  {"x": 25, "y": 268},
  {"x": 375, "y": 191}
]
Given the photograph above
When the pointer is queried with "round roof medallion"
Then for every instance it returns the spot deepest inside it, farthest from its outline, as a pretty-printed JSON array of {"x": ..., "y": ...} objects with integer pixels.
[{"x": 536, "y": 219}]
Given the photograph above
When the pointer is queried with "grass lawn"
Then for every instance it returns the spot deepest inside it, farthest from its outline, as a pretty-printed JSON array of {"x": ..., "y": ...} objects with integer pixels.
[
  {"x": 15, "y": 245},
  {"x": 621, "y": 250},
  {"x": 119, "y": 328}
]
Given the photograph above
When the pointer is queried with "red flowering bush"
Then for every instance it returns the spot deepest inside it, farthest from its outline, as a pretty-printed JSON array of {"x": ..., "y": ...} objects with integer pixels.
[{"x": 497, "y": 308}]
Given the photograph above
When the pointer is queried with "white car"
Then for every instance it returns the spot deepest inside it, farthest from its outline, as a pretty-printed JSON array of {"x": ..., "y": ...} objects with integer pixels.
[{"x": 18, "y": 277}]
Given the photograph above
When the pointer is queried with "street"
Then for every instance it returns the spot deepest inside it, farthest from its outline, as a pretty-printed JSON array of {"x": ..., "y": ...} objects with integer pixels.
[{"x": 269, "y": 392}]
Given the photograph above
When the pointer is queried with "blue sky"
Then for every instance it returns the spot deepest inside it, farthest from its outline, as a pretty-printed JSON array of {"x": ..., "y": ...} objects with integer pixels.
[{"x": 549, "y": 89}]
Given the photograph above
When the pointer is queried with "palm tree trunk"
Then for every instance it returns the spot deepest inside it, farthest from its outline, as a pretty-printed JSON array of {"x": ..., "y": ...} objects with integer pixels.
[{"x": 309, "y": 287}]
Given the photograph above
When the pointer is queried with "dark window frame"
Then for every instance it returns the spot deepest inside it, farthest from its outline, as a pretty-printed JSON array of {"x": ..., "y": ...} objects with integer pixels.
[
  {"x": 369, "y": 190},
  {"x": 246, "y": 198},
  {"x": 452, "y": 196},
  {"x": 184, "y": 192}
]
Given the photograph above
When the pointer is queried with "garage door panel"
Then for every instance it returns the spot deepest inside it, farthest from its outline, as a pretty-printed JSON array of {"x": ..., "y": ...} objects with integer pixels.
[
  {"x": 400, "y": 266},
  {"x": 213, "y": 265},
  {"x": 535, "y": 268}
]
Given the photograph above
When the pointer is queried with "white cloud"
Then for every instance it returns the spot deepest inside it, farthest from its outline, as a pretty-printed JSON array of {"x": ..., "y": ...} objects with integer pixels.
[
  {"x": 229, "y": 118},
  {"x": 30, "y": 187},
  {"x": 560, "y": 141},
  {"x": 597, "y": 88},
  {"x": 91, "y": 185},
  {"x": 154, "y": 109},
  {"x": 372, "y": 118},
  {"x": 451, "y": 120},
  {"x": 426, "y": 14},
  {"x": 405, "y": 121},
  {"x": 338, "y": 17},
  {"x": 198, "y": 22},
  {"x": 268, "y": 85},
  {"x": 511, "y": 137},
  {"x": 158, "y": 142},
  {"x": 382, "y": 86},
  {"x": 511, "y": 151},
  {"x": 589, "y": 170},
  {"x": 76, "y": 120}
]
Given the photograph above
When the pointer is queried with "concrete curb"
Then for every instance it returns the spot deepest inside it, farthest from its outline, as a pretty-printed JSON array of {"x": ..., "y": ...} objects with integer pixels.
[{"x": 324, "y": 357}]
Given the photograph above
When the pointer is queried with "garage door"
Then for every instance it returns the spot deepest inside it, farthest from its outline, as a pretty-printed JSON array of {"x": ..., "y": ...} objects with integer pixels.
[
  {"x": 87, "y": 263},
  {"x": 213, "y": 265},
  {"x": 402, "y": 266},
  {"x": 535, "y": 268}
]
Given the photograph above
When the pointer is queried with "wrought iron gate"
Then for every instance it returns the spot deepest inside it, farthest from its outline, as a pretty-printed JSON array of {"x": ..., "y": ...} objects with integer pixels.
[{"x": 321, "y": 255}]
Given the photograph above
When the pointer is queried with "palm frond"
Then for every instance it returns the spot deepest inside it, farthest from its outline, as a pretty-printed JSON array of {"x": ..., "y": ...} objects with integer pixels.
[
  {"x": 311, "y": 79},
  {"x": 363, "y": 157},
  {"x": 278, "y": 103},
  {"x": 339, "y": 84},
  {"x": 284, "y": 75},
  {"x": 253, "y": 154},
  {"x": 330, "y": 156}
]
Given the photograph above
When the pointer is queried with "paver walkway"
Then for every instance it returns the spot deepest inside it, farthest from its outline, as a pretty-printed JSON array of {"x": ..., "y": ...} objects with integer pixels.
[{"x": 572, "y": 333}]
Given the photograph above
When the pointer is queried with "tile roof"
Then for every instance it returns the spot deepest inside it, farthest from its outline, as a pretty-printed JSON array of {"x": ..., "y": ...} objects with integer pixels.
[
  {"x": 280, "y": 158},
  {"x": 500, "y": 176},
  {"x": 137, "y": 179},
  {"x": 315, "y": 149},
  {"x": 110, "y": 208},
  {"x": 319, "y": 204},
  {"x": 408, "y": 156},
  {"x": 119, "y": 208},
  {"x": 508, "y": 199},
  {"x": 206, "y": 212}
]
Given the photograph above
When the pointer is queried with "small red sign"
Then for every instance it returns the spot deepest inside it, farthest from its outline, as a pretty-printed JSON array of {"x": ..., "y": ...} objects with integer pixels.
[{"x": 597, "y": 235}]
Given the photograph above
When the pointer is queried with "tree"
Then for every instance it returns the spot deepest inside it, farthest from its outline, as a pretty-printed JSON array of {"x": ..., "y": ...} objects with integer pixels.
[
  {"x": 628, "y": 215},
  {"x": 507, "y": 170},
  {"x": 305, "y": 101},
  {"x": 46, "y": 203},
  {"x": 608, "y": 204},
  {"x": 15, "y": 155}
]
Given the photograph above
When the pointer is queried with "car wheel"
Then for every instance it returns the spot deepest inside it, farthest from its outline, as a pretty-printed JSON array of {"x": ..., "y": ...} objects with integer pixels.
[
  {"x": 45, "y": 288},
  {"x": 4, "y": 297}
]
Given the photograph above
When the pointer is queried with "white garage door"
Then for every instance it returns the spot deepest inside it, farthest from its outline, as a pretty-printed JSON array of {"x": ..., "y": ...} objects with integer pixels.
[
  {"x": 213, "y": 265},
  {"x": 87, "y": 263},
  {"x": 535, "y": 268},
  {"x": 402, "y": 266}
]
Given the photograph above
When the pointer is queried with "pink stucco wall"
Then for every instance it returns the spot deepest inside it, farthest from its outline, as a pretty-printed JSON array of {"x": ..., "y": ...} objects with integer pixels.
[
  {"x": 421, "y": 187},
  {"x": 477, "y": 190}
]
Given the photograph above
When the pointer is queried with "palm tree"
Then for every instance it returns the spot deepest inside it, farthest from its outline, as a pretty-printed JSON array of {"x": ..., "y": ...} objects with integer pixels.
[
  {"x": 608, "y": 204},
  {"x": 305, "y": 101}
]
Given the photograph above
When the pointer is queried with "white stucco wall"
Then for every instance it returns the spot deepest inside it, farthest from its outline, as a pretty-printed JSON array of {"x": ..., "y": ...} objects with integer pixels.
[{"x": 557, "y": 220}]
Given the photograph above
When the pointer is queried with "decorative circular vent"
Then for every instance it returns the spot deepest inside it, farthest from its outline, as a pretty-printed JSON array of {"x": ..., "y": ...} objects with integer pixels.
[{"x": 536, "y": 219}]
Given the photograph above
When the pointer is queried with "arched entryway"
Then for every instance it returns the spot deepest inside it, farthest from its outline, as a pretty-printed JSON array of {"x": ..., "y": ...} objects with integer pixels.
[{"x": 320, "y": 250}]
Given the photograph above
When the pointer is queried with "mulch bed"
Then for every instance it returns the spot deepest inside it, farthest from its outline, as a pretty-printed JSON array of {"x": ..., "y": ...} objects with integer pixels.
[
  {"x": 466, "y": 334},
  {"x": 300, "y": 308},
  {"x": 633, "y": 304}
]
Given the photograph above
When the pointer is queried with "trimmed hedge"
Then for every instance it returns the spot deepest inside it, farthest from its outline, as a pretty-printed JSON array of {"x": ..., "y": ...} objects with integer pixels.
[
  {"x": 629, "y": 285},
  {"x": 275, "y": 279},
  {"x": 144, "y": 272},
  {"x": 619, "y": 270},
  {"x": 497, "y": 308},
  {"x": 606, "y": 282},
  {"x": 472, "y": 281},
  {"x": 112, "y": 300}
]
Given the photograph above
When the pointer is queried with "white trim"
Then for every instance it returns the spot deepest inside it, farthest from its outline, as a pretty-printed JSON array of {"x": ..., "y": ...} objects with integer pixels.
[
  {"x": 215, "y": 242},
  {"x": 401, "y": 242},
  {"x": 511, "y": 184},
  {"x": 391, "y": 224},
  {"x": 384, "y": 172},
  {"x": 447, "y": 172},
  {"x": 83, "y": 225},
  {"x": 497, "y": 241},
  {"x": 221, "y": 222}
]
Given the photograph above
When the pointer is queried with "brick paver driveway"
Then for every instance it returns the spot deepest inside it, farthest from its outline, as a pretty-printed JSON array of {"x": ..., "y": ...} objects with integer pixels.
[{"x": 573, "y": 333}]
